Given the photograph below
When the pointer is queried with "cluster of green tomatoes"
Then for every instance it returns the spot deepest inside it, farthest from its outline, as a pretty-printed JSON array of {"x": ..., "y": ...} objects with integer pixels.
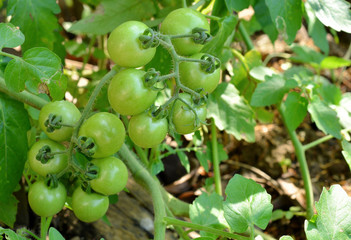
[{"x": 131, "y": 92}]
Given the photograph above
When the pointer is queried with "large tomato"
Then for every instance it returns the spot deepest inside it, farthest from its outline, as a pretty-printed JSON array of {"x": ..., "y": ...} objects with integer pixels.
[
  {"x": 147, "y": 131},
  {"x": 112, "y": 176},
  {"x": 183, "y": 117},
  {"x": 193, "y": 77},
  {"x": 183, "y": 21},
  {"x": 124, "y": 46},
  {"x": 89, "y": 207},
  {"x": 54, "y": 165},
  {"x": 107, "y": 131},
  {"x": 46, "y": 201},
  {"x": 128, "y": 94},
  {"x": 69, "y": 114}
]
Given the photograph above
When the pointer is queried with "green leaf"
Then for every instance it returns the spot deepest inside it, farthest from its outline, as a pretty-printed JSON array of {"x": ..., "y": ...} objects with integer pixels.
[
  {"x": 8, "y": 210},
  {"x": 231, "y": 112},
  {"x": 330, "y": 93},
  {"x": 324, "y": 117},
  {"x": 264, "y": 18},
  {"x": 39, "y": 68},
  {"x": 205, "y": 154},
  {"x": 207, "y": 210},
  {"x": 316, "y": 29},
  {"x": 227, "y": 27},
  {"x": 162, "y": 61},
  {"x": 335, "y": 14},
  {"x": 55, "y": 235},
  {"x": 332, "y": 62},
  {"x": 271, "y": 91},
  {"x": 14, "y": 125},
  {"x": 184, "y": 160},
  {"x": 294, "y": 110},
  {"x": 10, "y": 36},
  {"x": 346, "y": 146},
  {"x": 111, "y": 13},
  {"x": 287, "y": 16},
  {"x": 76, "y": 49},
  {"x": 240, "y": 77},
  {"x": 306, "y": 55},
  {"x": 37, "y": 21},
  {"x": 10, "y": 235},
  {"x": 237, "y": 5},
  {"x": 333, "y": 219},
  {"x": 260, "y": 72},
  {"x": 247, "y": 204}
]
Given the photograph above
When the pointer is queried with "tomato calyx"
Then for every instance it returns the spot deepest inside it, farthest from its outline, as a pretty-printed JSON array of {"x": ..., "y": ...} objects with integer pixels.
[
  {"x": 53, "y": 122},
  {"x": 200, "y": 36},
  {"x": 45, "y": 154},
  {"x": 51, "y": 181},
  {"x": 86, "y": 146},
  {"x": 92, "y": 172},
  {"x": 210, "y": 63},
  {"x": 149, "y": 39}
]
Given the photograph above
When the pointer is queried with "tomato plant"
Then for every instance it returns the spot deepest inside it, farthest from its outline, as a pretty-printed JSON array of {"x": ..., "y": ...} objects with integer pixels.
[
  {"x": 63, "y": 112},
  {"x": 147, "y": 131},
  {"x": 195, "y": 77},
  {"x": 128, "y": 93},
  {"x": 89, "y": 207},
  {"x": 112, "y": 176},
  {"x": 166, "y": 67},
  {"x": 124, "y": 47},
  {"x": 184, "y": 118},
  {"x": 107, "y": 132},
  {"x": 183, "y": 21},
  {"x": 53, "y": 164},
  {"x": 46, "y": 201}
]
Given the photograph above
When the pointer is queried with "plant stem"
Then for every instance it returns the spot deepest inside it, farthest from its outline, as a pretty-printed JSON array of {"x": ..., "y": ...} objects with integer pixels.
[
  {"x": 242, "y": 59},
  {"x": 178, "y": 207},
  {"x": 31, "y": 234},
  {"x": 317, "y": 142},
  {"x": 142, "y": 155},
  {"x": 10, "y": 55},
  {"x": 215, "y": 160},
  {"x": 273, "y": 55},
  {"x": 301, "y": 157},
  {"x": 143, "y": 176},
  {"x": 43, "y": 230},
  {"x": 246, "y": 37},
  {"x": 24, "y": 96},
  {"x": 176, "y": 222}
]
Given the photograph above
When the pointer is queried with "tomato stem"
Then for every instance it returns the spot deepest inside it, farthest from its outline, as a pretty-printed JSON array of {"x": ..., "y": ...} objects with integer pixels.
[
  {"x": 215, "y": 160},
  {"x": 194, "y": 226}
]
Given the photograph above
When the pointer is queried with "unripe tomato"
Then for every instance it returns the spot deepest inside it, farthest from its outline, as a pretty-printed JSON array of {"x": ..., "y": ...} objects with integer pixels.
[
  {"x": 193, "y": 77},
  {"x": 183, "y": 21},
  {"x": 69, "y": 113},
  {"x": 128, "y": 94},
  {"x": 89, "y": 207},
  {"x": 147, "y": 131},
  {"x": 54, "y": 165},
  {"x": 124, "y": 47},
  {"x": 107, "y": 131},
  {"x": 183, "y": 118},
  {"x": 46, "y": 201},
  {"x": 112, "y": 176}
]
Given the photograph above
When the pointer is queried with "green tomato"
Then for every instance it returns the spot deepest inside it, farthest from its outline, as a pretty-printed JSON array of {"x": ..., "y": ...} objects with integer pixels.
[
  {"x": 183, "y": 118},
  {"x": 46, "y": 201},
  {"x": 107, "y": 131},
  {"x": 89, "y": 207},
  {"x": 69, "y": 113},
  {"x": 128, "y": 94},
  {"x": 54, "y": 165},
  {"x": 183, "y": 21},
  {"x": 112, "y": 176},
  {"x": 193, "y": 77},
  {"x": 124, "y": 47},
  {"x": 147, "y": 131}
]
